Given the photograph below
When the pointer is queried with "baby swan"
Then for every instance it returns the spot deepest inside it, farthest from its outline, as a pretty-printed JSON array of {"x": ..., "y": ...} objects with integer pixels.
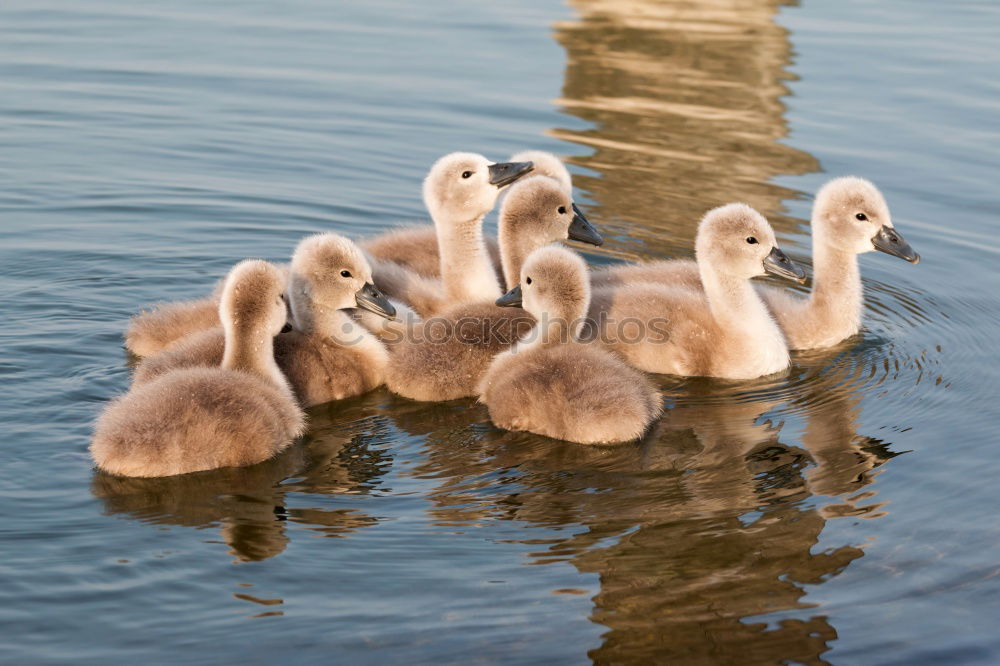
[
  {"x": 849, "y": 217},
  {"x": 328, "y": 356},
  {"x": 195, "y": 419},
  {"x": 416, "y": 248},
  {"x": 723, "y": 331},
  {"x": 460, "y": 189},
  {"x": 444, "y": 357},
  {"x": 538, "y": 211},
  {"x": 552, "y": 384}
]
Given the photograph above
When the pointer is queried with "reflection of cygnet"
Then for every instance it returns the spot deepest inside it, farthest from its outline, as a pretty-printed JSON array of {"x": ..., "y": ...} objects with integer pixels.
[
  {"x": 553, "y": 385},
  {"x": 329, "y": 356}
]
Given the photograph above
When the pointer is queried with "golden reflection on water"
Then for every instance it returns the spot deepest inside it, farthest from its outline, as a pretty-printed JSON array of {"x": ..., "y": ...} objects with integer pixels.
[
  {"x": 712, "y": 520},
  {"x": 693, "y": 532},
  {"x": 683, "y": 103}
]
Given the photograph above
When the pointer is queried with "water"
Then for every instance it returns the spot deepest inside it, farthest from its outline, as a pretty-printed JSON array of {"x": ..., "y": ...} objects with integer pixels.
[{"x": 844, "y": 513}]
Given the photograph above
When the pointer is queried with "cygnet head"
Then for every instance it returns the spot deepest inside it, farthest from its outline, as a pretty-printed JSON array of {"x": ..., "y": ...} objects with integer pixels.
[
  {"x": 464, "y": 186},
  {"x": 737, "y": 241},
  {"x": 540, "y": 210},
  {"x": 546, "y": 164},
  {"x": 253, "y": 299},
  {"x": 329, "y": 272},
  {"x": 554, "y": 285},
  {"x": 851, "y": 214}
]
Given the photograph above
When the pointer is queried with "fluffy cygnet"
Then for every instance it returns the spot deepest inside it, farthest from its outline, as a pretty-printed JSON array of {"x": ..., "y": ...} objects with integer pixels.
[
  {"x": 552, "y": 384},
  {"x": 459, "y": 190},
  {"x": 722, "y": 331},
  {"x": 196, "y": 419},
  {"x": 849, "y": 217},
  {"x": 416, "y": 248},
  {"x": 443, "y": 357},
  {"x": 536, "y": 210},
  {"x": 328, "y": 356}
]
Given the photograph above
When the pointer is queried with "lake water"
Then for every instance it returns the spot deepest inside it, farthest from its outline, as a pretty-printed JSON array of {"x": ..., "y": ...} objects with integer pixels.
[{"x": 846, "y": 513}]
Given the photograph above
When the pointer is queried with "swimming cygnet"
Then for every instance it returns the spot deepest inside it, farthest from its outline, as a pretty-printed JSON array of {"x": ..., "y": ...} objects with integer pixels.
[
  {"x": 721, "y": 331},
  {"x": 460, "y": 189},
  {"x": 192, "y": 419},
  {"x": 535, "y": 212},
  {"x": 442, "y": 358},
  {"x": 329, "y": 356},
  {"x": 850, "y": 217},
  {"x": 416, "y": 248},
  {"x": 552, "y": 384},
  {"x": 467, "y": 274},
  {"x": 152, "y": 331}
]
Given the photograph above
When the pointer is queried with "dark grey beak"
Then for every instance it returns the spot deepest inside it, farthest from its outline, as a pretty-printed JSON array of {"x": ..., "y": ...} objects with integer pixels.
[
  {"x": 512, "y": 299},
  {"x": 371, "y": 299},
  {"x": 505, "y": 173},
  {"x": 582, "y": 230},
  {"x": 890, "y": 241},
  {"x": 778, "y": 263}
]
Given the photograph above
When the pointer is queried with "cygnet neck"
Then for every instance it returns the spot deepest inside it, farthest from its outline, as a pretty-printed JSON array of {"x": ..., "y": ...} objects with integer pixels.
[
  {"x": 735, "y": 304},
  {"x": 837, "y": 295},
  {"x": 466, "y": 270},
  {"x": 251, "y": 349},
  {"x": 337, "y": 325},
  {"x": 558, "y": 324},
  {"x": 514, "y": 247}
]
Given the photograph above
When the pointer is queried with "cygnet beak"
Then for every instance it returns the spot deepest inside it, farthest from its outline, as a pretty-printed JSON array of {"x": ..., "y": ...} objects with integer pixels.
[
  {"x": 371, "y": 299},
  {"x": 778, "y": 263},
  {"x": 890, "y": 241},
  {"x": 505, "y": 173},
  {"x": 582, "y": 230},
  {"x": 512, "y": 299}
]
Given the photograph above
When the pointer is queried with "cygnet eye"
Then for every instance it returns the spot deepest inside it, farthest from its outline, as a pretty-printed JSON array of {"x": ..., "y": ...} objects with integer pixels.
[
  {"x": 751, "y": 240},
  {"x": 861, "y": 216},
  {"x": 345, "y": 274},
  {"x": 466, "y": 174},
  {"x": 527, "y": 280},
  {"x": 562, "y": 210}
]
